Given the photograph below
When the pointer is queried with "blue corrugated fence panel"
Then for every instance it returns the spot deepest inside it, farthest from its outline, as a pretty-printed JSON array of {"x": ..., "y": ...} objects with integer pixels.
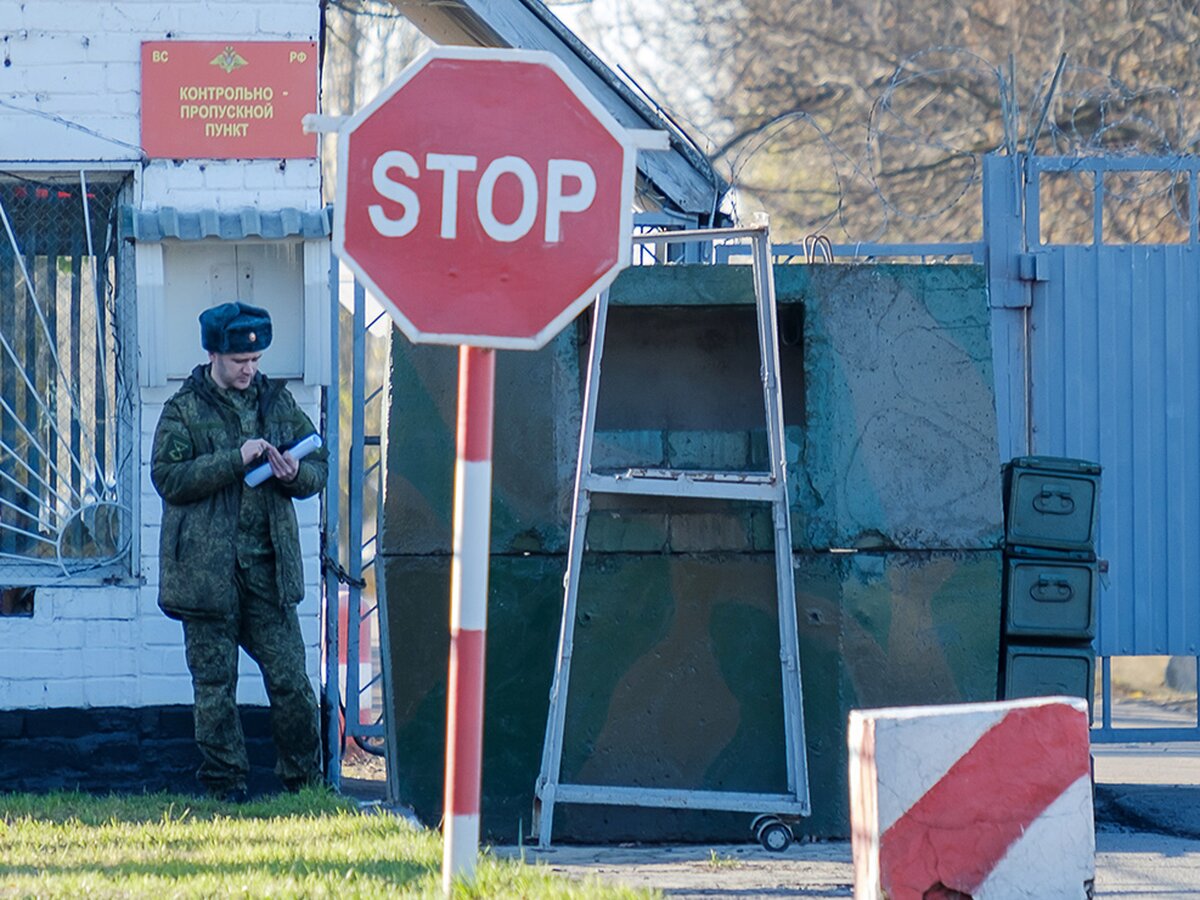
[{"x": 1116, "y": 380}]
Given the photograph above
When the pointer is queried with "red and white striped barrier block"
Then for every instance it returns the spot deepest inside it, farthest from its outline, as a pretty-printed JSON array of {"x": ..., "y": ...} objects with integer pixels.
[{"x": 982, "y": 801}]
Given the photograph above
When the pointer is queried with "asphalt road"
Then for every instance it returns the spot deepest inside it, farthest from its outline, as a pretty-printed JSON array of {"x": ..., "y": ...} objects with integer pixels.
[
  {"x": 1129, "y": 865},
  {"x": 1147, "y": 844},
  {"x": 1147, "y": 838}
]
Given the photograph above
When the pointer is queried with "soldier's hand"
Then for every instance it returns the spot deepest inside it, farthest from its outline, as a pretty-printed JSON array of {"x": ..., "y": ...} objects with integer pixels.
[
  {"x": 284, "y": 466},
  {"x": 253, "y": 449}
]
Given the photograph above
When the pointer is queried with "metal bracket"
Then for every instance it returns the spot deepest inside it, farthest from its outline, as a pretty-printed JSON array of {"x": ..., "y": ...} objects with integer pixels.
[{"x": 1033, "y": 266}]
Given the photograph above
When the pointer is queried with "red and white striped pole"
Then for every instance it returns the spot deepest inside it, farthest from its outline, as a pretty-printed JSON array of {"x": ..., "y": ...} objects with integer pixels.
[{"x": 468, "y": 613}]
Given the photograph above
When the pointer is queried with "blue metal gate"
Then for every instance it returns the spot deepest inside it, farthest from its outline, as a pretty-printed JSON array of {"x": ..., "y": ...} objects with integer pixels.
[
  {"x": 1096, "y": 358},
  {"x": 353, "y": 667}
]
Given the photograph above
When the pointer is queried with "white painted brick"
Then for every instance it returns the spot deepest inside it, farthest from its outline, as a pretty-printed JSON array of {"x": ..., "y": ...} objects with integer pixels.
[
  {"x": 146, "y": 486},
  {"x": 118, "y": 662},
  {"x": 251, "y": 692},
  {"x": 295, "y": 21},
  {"x": 120, "y": 52},
  {"x": 150, "y": 568},
  {"x": 264, "y": 174},
  {"x": 164, "y": 690},
  {"x": 310, "y": 629},
  {"x": 153, "y": 401},
  {"x": 159, "y": 180},
  {"x": 310, "y": 542},
  {"x": 308, "y": 512},
  {"x": 95, "y": 604},
  {"x": 26, "y": 47},
  {"x": 47, "y": 663},
  {"x": 199, "y": 21},
  {"x": 58, "y": 78},
  {"x": 151, "y": 510},
  {"x": 300, "y": 198},
  {"x": 27, "y": 138},
  {"x": 163, "y": 660},
  {"x": 110, "y": 691},
  {"x": 110, "y": 633},
  {"x": 113, "y": 114},
  {"x": 68, "y": 635},
  {"x": 224, "y": 176},
  {"x": 307, "y": 397},
  {"x": 191, "y": 199},
  {"x": 13, "y": 691},
  {"x": 148, "y": 602},
  {"x": 61, "y": 15},
  {"x": 149, "y": 535},
  {"x": 303, "y": 174},
  {"x": 310, "y": 605},
  {"x": 151, "y": 20},
  {"x": 160, "y": 631},
  {"x": 60, "y": 693},
  {"x": 13, "y": 637},
  {"x": 312, "y": 573}
]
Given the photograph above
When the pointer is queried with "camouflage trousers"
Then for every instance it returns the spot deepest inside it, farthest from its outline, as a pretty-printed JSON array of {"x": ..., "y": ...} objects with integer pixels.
[{"x": 271, "y": 636}]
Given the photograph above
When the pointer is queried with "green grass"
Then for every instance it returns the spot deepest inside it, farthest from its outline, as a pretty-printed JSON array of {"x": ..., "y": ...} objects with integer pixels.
[{"x": 314, "y": 844}]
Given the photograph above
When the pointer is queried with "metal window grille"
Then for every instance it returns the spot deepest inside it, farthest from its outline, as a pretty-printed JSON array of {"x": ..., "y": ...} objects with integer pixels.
[{"x": 66, "y": 399}]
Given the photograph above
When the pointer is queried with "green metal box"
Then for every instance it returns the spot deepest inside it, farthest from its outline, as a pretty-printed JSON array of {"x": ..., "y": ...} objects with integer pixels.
[
  {"x": 1049, "y": 598},
  {"x": 1051, "y": 502},
  {"x": 1047, "y": 670}
]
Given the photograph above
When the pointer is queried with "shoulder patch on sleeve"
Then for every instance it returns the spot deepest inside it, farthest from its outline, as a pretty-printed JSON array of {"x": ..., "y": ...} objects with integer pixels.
[{"x": 177, "y": 449}]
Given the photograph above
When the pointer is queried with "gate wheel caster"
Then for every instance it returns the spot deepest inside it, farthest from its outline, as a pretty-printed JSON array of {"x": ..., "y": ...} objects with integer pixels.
[{"x": 773, "y": 834}]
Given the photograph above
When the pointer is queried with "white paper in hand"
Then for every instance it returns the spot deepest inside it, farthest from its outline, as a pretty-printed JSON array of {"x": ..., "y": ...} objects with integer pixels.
[{"x": 299, "y": 450}]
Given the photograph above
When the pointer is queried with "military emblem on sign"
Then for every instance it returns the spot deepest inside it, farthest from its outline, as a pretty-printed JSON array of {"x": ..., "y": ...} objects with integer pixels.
[{"x": 228, "y": 59}]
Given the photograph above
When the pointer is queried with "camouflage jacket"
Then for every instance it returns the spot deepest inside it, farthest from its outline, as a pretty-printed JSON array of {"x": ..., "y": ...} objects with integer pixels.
[{"x": 197, "y": 469}]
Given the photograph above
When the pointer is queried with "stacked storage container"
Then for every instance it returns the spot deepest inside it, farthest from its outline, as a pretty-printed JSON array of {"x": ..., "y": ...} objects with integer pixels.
[{"x": 1050, "y": 577}]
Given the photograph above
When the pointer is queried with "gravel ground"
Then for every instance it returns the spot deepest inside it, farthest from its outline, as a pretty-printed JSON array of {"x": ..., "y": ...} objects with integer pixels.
[{"x": 692, "y": 872}]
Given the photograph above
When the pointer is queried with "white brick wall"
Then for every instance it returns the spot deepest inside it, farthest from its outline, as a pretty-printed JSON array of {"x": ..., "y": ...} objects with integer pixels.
[
  {"x": 69, "y": 92},
  {"x": 70, "y": 69}
]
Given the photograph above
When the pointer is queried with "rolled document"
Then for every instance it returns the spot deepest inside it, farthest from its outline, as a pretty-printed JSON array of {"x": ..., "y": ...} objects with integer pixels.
[{"x": 299, "y": 450}]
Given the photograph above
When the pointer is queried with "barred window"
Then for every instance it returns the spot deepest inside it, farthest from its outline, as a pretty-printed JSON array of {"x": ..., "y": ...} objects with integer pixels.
[{"x": 66, "y": 394}]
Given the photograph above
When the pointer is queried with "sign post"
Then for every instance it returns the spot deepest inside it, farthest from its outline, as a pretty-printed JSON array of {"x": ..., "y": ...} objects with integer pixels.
[
  {"x": 485, "y": 198},
  {"x": 468, "y": 612}
]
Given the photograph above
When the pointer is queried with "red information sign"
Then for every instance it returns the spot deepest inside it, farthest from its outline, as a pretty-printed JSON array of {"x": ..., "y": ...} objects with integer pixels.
[{"x": 228, "y": 99}]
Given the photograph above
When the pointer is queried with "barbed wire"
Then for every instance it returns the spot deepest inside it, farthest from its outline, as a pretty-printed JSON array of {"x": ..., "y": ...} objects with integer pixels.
[{"x": 918, "y": 157}]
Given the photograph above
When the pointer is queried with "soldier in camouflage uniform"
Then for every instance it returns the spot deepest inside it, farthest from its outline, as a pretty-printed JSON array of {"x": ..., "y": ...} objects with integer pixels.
[{"x": 230, "y": 566}]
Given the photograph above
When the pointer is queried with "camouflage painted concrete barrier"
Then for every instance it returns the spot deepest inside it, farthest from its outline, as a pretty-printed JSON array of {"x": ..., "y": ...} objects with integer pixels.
[{"x": 896, "y": 502}]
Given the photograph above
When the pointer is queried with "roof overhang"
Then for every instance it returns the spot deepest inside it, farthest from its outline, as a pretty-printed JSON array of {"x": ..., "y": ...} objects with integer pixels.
[{"x": 680, "y": 179}]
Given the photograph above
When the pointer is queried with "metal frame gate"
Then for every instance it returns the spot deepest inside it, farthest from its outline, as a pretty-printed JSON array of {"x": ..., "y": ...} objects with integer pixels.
[
  {"x": 1095, "y": 352},
  {"x": 768, "y": 486},
  {"x": 350, "y": 598}
]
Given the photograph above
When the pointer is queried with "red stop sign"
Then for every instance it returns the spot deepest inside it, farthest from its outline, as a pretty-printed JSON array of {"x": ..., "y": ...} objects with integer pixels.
[{"x": 485, "y": 197}]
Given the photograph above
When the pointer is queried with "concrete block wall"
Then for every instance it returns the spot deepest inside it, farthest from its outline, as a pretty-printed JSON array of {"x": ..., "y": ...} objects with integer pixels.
[
  {"x": 674, "y": 674},
  {"x": 69, "y": 99}
]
